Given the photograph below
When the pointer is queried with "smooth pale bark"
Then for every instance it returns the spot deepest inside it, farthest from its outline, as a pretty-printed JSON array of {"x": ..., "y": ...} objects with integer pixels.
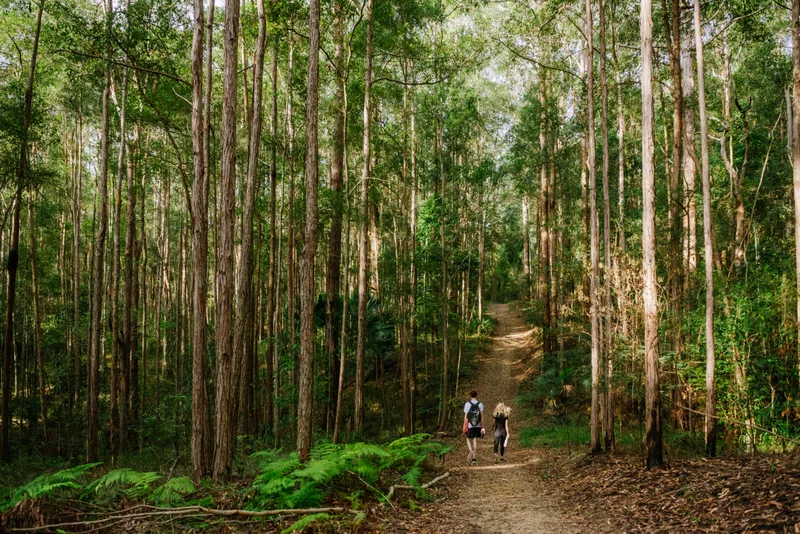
[
  {"x": 621, "y": 256},
  {"x": 650, "y": 295},
  {"x": 245, "y": 299},
  {"x": 201, "y": 429},
  {"x": 689, "y": 167},
  {"x": 332, "y": 280},
  {"x": 270, "y": 406},
  {"x": 363, "y": 244},
  {"x": 594, "y": 286},
  {"x": 93, "y": 391},
  {"x": 307, "y": 282},
  {"x": 708, "y": 245},
  {"x": 608, "y": 411},
  {"x": 545, "y": 281},
  {"x": 526, "y": 245},
  {"x": 224, "y": 438}
]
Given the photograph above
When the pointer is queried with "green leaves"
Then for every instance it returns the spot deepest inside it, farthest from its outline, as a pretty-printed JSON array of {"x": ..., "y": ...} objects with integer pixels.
[
  {"x": 286, "y": 483},
  {"x": 48, "y": 485}
]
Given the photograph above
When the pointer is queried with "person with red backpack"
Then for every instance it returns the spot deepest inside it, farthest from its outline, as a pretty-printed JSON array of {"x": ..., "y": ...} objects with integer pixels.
[{"x": 473, "y": 425}]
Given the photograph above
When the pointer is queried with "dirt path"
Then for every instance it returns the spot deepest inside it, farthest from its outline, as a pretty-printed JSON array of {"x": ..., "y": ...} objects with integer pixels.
[{"x": 507, "y": 497}]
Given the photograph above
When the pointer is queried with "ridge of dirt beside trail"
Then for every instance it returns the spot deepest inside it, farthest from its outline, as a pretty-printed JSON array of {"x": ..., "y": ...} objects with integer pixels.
[{"x": 507, "y": 497}]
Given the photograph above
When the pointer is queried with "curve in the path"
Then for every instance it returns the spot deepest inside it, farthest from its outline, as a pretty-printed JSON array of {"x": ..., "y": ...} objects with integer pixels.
[{"x": 507, "y": 498}]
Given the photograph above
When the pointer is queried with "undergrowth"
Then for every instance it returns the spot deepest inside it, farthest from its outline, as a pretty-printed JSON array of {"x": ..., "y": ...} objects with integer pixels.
[{"x": 338, "y": 472}]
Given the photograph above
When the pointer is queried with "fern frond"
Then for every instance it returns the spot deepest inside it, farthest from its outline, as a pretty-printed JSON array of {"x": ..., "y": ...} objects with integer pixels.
[
  {"x": 173, "y": 491},
  {"x": 303, "y": 522},
  {"x": 48, "y": 485}
]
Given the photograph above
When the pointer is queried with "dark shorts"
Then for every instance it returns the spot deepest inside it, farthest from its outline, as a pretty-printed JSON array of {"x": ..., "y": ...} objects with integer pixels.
[{"x": 474, "y": 432}]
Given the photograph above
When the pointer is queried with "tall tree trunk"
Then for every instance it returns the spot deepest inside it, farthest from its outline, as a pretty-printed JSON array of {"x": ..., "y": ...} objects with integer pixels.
[
  {"x": 99, "y": 255},
  {"x": 594, "y": 288},
  {"x": 129, "y": 364},
  {"x": 403, "y": 281},
  {"x": 245, "y": 298},
  {"x": 363, "y": 244},
  {"x": 117, "y": 378},
  {"x": 76, "y": 260},
  {"x": 621, "y": 259},
  {"x": 201, "y": 425},
  {"x": 291, "y": 279},
  {"x": 37, "y": 318},
  {"x": 224, "y": 438},
  {"x": 650, "y": 295},
  {"x": 708, "y": 244},
  {"x": 270, "y": 405},
  {"x": 689, "y": 171},
  {"x": 526, "y": 246},
  {"x": 608, "y": 412},
  {"x": 332, "y": 280},
  {"x": 445, "y": 280},
  {"x": 308, "y": 286},
  {"x": 796, "y": 150},
  {"x": 544, "y": 220}
]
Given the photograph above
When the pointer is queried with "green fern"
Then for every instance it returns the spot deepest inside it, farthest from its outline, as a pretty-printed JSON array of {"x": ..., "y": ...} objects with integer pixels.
[
  {"x": 138, "y": 484},
  {"x": 305, "y": 521},
  {"x": 173, "y": 491},
  {"x": 48, "y": 485}
]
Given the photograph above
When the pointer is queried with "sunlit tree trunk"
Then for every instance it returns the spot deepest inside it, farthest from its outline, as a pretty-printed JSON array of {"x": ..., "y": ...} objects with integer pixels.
[
  {"x": 307, "y": 283},
  {"x": 708, "y": 244},
  {"x": 270, "y": 406},
  {"x": 226, "y": 388},
  {"x": 363, "y": 244},
  {"x": 689, "y": 170},
  {"x": 594, "y": 238},
  {"x": 608, "y": 411},
  {"x": 650, "y": 296},
  {"x": 544, "y": 219},
  {"x": 99, "y": 255}
]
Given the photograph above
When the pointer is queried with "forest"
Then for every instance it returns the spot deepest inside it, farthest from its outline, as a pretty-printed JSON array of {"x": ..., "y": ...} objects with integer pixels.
[{"x": 270, "y": 242}]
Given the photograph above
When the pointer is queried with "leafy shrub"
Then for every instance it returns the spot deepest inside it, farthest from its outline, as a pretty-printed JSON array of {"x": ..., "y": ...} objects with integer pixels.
[
  {"x": 48, "y": 485},
  {"x": 284, "y": 482}
]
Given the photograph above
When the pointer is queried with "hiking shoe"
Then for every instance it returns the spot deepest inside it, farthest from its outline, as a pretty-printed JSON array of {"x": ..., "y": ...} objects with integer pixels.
[
  {"x": 502, "y": 459},
  {"x": 495, "y": 458},
  {"x": 474, "y": 461},
  {"x": 470, "y": 454}
]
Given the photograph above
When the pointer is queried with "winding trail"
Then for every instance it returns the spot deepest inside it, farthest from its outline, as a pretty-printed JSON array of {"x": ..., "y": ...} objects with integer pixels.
[{"x": 507, "y": 497}]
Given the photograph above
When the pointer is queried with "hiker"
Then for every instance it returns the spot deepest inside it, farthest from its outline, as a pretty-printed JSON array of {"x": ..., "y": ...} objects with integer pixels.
[
  {"x": 501, "y": 432},
  {"x": 473, "y": 425}
]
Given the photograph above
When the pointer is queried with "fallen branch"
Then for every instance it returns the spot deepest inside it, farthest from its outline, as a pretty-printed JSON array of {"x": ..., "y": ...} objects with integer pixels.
[
  {"x": 187, "y": 511},
  {"x": 424, "y": 486}
]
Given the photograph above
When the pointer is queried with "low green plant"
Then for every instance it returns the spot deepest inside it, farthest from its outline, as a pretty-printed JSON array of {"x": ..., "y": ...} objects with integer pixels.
[
  {"x": 305, "y": 521},
  {"x": 48, "y": 485},
  {"x": 285, "y": 482}
]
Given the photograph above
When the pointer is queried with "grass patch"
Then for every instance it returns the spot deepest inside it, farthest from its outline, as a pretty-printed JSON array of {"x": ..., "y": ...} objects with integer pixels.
[{"x": 565, "y": 433}]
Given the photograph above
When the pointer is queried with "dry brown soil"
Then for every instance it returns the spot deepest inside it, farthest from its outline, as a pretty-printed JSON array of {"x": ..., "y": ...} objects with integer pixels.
[{"x": 506, "y": 497}]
